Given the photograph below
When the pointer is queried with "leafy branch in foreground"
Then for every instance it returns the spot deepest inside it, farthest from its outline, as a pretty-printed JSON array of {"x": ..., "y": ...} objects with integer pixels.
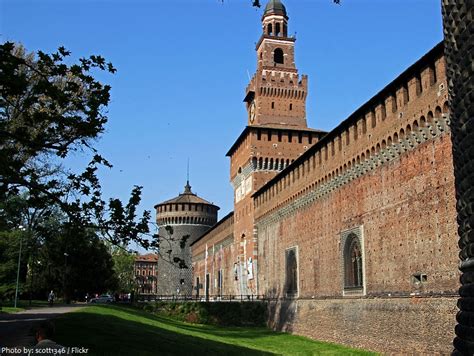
[{"x": 49, "y": 109}]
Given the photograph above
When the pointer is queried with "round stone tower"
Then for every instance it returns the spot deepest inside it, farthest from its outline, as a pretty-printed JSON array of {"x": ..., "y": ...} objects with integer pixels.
[{"x": 181, "y": 221}]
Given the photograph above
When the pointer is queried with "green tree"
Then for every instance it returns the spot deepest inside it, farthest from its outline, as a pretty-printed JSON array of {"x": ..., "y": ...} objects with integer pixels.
[
  {"x": 9, "y": 247},
  {"x": 56, "y": 254},
  {"x": 124, "y": 269},
  {"x": 14, "y": 213},
  {"x": 73, "y": 262},
  {"x": 47, "y": 110}
]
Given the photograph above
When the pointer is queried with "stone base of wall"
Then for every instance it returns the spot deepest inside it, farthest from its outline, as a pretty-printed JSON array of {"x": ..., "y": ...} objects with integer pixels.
[{"x": 408, "y": 326}]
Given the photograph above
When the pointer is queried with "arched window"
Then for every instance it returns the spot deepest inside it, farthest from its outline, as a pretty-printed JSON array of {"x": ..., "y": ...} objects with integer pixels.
[
  {"x": 430, "y": 117},
  {"x": 269, "y": 29},
  {"x": 277, "y": 29},
  {"x": 446, "y": 107},
  {"x": 353, "y": 276},
  {"x": 278, "y": 56}
]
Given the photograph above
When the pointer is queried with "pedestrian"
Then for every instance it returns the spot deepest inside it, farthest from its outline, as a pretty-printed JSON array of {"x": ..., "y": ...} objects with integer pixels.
[{"x": 51, "y": 297}]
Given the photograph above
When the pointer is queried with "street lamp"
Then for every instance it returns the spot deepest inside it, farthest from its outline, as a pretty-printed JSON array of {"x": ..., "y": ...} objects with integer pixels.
[
  {"x": 65, "y": 271},
  {"x": 21, "y": 228}
]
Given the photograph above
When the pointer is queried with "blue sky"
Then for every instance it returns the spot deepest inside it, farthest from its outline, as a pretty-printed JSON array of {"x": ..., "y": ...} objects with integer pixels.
[{"x": 182, "y": 71}]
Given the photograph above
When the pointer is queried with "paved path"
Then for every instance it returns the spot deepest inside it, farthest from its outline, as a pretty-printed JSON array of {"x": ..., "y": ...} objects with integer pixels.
[{"x": 17, "y": 329}]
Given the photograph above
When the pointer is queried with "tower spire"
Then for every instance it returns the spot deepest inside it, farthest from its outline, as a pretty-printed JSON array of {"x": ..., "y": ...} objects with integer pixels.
[
  {"x": 187, "y": 187},
  {"x": 187, "y": 173}
]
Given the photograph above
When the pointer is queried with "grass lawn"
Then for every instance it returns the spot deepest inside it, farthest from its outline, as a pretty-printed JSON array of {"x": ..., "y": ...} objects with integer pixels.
[
  {"x": 9, "y": 310},
  {"x": 7, "y": 307},
  {"x": 117, "y": 330}
]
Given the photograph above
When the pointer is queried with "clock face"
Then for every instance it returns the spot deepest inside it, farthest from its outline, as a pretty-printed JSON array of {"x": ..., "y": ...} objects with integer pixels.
[{"x": 252, "y": 111}]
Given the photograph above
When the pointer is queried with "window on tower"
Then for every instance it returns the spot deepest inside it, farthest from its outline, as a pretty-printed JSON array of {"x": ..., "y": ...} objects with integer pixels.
[
  {"x": 269, "y": 29},
  {"x": 278, "y": 56},
  {"x": 277, "y": 29}
]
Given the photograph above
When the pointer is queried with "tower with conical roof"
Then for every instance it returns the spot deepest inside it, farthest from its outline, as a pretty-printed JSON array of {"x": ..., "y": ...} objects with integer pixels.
[{"x": 181, "y": 221}]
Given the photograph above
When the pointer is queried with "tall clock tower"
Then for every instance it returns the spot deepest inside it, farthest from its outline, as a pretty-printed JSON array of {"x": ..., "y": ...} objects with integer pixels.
[
  {"x": 275, "y": 136},
  {"x": 276, "y": 94}
]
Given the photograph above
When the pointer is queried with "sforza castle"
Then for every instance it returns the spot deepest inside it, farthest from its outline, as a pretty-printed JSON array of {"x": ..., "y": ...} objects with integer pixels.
[{"x": 351, "y": 233}]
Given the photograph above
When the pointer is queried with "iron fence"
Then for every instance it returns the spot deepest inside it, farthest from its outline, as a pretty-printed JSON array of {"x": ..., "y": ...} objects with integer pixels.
[{"x": 200, "y": 298}]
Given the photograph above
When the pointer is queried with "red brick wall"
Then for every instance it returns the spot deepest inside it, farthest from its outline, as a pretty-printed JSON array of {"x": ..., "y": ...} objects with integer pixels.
[
  {"x": 407, "y": 212},
  {"x": 394, "y": 326},
  {"x": 220, "y": 251}
]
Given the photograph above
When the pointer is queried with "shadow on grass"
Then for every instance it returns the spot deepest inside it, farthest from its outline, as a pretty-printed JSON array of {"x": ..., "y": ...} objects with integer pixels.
[
  {"x": 105, "y": 334},
  {"x": 17, "y": 329},
  {"x": 227, "y": 331}
]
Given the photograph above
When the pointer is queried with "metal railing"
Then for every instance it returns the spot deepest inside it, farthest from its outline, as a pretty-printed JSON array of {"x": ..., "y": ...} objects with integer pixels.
[{"x": 201, "y": 298}]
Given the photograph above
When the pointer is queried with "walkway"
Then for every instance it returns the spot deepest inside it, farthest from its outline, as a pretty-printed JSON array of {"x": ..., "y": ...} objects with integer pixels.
[{"x": 17, "y": 329}]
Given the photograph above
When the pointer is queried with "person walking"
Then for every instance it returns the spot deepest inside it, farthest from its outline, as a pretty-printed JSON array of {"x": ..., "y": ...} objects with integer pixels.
[{"x": 51, "y": 297}]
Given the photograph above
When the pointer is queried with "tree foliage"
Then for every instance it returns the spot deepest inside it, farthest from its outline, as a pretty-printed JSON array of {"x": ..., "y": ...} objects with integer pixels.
[
  {"x": 124, "y": 269},
  {"x": 47, "y": 237},
  {"x": 48, "y": 109}
]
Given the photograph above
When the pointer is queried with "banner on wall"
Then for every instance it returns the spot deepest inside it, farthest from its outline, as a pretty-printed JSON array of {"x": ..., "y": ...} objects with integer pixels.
[{"x": 249, "y": 268}]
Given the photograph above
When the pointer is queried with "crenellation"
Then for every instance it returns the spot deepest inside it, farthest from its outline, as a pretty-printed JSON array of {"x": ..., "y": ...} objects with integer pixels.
[{"x": 414, "y": 87}]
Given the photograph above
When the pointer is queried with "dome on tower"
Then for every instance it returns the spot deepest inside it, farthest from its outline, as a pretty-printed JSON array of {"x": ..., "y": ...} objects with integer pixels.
[
  {"x": 187, "y": 208},
  {"x": 187, "y": 197},
  {"x": 275, "y": 7}
]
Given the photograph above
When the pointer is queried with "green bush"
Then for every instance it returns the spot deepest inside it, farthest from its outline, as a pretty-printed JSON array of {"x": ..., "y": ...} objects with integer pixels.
[{"x": 214, "y": 313}]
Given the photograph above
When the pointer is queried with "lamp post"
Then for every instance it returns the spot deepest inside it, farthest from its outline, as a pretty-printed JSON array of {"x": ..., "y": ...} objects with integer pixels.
[
  {"x": 21, "y": 228},
  {"x": 64, "y": 278}
]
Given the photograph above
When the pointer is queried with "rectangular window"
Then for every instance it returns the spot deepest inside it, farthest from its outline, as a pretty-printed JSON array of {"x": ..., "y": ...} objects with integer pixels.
[
  {"x": 219, "y": 282},
  {"x": 291, "y": 272}
]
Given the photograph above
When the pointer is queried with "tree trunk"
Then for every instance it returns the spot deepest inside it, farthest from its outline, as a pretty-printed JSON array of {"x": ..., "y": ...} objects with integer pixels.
[{"x": 459, "y": 48}]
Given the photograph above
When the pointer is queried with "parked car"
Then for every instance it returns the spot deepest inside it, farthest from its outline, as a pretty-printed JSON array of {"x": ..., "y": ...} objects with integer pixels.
[{"x": 104, "y": 298}]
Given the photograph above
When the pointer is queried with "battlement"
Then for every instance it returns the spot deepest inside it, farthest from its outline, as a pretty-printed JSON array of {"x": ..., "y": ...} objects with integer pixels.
[
  {"x": 407, "y": 112},
  {"x": 284, "y": 78},
  {"x": 279, "y": 84}
]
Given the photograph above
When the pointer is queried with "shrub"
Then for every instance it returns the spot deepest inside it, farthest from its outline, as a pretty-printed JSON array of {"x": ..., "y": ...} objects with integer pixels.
[{"x": 215, "y": 313}]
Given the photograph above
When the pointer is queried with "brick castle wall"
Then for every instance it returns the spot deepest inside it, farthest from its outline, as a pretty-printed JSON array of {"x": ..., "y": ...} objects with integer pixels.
[
  {"x": 406, "y": 211},
  {"x": 220, "y": 248},
  {"x": 397, "y": 326}
]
